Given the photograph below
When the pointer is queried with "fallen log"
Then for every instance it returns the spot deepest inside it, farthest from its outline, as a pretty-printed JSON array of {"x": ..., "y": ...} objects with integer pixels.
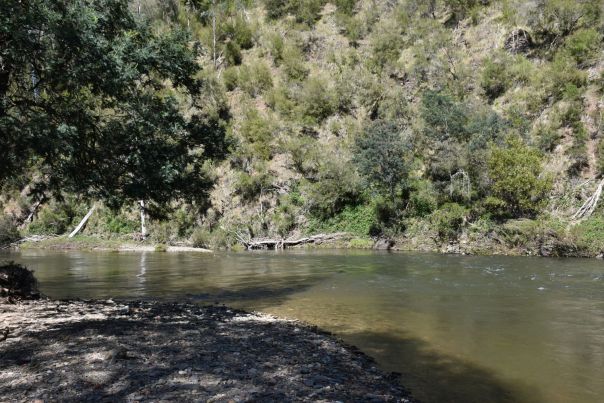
[
  {"x": 590, "y": 204},
  {"x": 273, "y": 244}
]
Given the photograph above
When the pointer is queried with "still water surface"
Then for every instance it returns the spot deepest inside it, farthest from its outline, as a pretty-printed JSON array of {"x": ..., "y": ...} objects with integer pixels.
[{"x": 458, "y": 328}]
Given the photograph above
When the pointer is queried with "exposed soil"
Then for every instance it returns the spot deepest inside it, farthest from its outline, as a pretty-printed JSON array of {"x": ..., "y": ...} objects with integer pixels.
[{"x": 157, "y": 351}]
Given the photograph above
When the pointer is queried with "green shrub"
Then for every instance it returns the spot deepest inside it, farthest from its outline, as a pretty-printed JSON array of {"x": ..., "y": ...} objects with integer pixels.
[
  {"x": 53, "y": 219},
  {"x": 255, "y": 78},
  {"x": 232, "y": 53},
  {"x": 162, "y": 232},
  {"x": 317, "y": 101},
  {"x": 258, "y": 131},
  {"x": 357, "y": 220},
  {"x": 8, "y": 230},
  {"x": 589, "y": 234},
  {"x": 293, "y": 63},
  {"x": 495, "y": 78},
  {"x": 250, "y": 186},
  {"x": 560, "y": 75},
  {"x": 518, "y": 187},
  {"x": 584, "y": 46},
  {"x": 230, "y": 77},
  {"x": 160, "y": 248},
  {"x": 423, "y": 200},
  {"x": 449, "y": 220},
  {"x": 201, "y": 238}
]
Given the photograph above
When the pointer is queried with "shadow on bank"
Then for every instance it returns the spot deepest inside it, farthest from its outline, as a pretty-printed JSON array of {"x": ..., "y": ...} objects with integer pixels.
[{"x": 435, "y": 377}]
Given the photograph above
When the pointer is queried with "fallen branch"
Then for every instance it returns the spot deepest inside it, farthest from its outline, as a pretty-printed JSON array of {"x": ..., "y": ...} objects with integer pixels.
[
  {"x": 283, "y": 243},
  {"x": 590, "y": 204}
]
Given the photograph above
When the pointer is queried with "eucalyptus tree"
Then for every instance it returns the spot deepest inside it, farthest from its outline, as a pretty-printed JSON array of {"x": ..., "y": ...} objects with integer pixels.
[{"x": 114, "y": 110}]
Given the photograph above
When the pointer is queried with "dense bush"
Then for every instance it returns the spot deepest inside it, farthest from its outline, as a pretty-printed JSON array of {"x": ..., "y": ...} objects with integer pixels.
[
  {"x": 8, "y": 230},
  {"x": 358, "y": 220},
  {"x": 519, "y": 187},
  {"x": 258, "y": 131},
  {"x": 583, "y": 46},
  {"x": 316, "y": 101},
  {"x": 449, "y": 220},
  {"x": 254, "y": 78}
]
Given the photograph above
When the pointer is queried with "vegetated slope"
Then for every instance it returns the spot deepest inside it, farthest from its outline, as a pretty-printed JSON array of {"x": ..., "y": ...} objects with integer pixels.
[{"x": 463, "y": 125}]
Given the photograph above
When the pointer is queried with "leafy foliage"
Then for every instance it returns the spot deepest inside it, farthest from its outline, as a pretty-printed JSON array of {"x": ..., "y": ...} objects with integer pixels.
[
  {"x": 518, "y": 187},
  {"x": 92, "y": 96},
  {"x": 383, "y": 156}
]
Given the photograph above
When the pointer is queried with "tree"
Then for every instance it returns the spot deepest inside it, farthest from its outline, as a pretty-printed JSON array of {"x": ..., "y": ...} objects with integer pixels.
[
  {"x": 443, "y": 117},
  {"x": 382, "y": 156},
  {"x": 101, "y": 105},
  {"x": 518, "y": 186}
]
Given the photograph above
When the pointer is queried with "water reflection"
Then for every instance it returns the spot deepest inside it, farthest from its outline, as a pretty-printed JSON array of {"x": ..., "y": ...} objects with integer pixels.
[{"x": 458, "y": 328}]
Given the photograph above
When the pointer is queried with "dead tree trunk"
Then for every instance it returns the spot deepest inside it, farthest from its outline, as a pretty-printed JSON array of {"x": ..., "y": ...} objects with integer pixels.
[
  {"x": 590, "y": 204},
  {"x": 83, "y": 222},
  {"x": 143, "y": 214}
]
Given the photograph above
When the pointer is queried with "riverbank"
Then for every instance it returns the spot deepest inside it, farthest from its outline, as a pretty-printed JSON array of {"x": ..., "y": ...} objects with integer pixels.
[
  {"x": 148, "y": 350},
  {"x": 99, "y": 244},
  {"x": 509, "y": 241}
]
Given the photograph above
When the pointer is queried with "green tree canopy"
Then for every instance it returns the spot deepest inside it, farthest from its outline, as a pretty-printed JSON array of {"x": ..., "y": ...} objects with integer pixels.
[
  {"x": 100, "y": 104},
  {"x": 382, "y": 156}
]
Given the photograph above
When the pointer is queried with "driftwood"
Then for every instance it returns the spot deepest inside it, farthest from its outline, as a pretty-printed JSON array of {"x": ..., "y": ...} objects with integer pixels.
[
  {"x": 590, "y": 204},
  {"x": 254, "y": 244}
]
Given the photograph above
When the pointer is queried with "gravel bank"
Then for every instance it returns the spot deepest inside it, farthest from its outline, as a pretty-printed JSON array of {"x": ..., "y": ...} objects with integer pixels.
[{"x": 152, "y": 351}]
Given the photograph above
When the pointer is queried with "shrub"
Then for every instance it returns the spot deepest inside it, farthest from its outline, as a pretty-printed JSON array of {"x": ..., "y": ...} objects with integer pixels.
[
  {"x": 293, "y": 62},
  {"x": 201, "y": 238},
  {"x": 443, "y": 117},
  {"x": 160, "y": 247},
  {"x": 583, "y": 46},
  {"x": 518, "y": 186},
  {"x": 255, "y": 78},
  {"x": 423, "y": 199},
  {"x": 335, "y": 186},
  {"x": 230, "y": 77},
  {"x": 560, "y": 75},
  {"x": 553, "y": 20},
  {"x": 53, "y": 219},
  {"x": 316, "y": 101},
  {"x": 358, "y": 220},
  {"x": 495, "y": 79},
  {"x": 449, "y": 220},
  {"x": 589, "y": 234},
  {"x": 8, "y": 230},
  {"x": 258, "y": 131}
]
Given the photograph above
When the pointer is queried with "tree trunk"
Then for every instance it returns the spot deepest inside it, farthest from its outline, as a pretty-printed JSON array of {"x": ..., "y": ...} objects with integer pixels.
[
  {"x": 83, "y": 222},
  {"x": 143, "y": 227}
]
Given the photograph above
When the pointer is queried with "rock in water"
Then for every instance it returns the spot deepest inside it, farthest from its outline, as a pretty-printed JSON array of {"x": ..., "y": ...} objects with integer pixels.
[{"x": 17, "y": 282}]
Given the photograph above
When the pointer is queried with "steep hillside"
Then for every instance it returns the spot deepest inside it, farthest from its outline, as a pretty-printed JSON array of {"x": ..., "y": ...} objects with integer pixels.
[{"x": 459, "y": 125}]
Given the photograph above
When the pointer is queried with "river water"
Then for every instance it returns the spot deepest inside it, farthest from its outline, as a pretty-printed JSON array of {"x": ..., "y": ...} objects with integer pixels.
[{"x": 458, "y": 328}]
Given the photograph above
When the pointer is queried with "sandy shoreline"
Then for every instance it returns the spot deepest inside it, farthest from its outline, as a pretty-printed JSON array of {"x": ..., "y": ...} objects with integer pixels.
[{"x": 158, "y": 351}]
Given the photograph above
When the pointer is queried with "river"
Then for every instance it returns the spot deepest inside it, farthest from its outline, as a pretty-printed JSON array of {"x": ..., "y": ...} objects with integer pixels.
[{"x": 458, "y": 328}]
